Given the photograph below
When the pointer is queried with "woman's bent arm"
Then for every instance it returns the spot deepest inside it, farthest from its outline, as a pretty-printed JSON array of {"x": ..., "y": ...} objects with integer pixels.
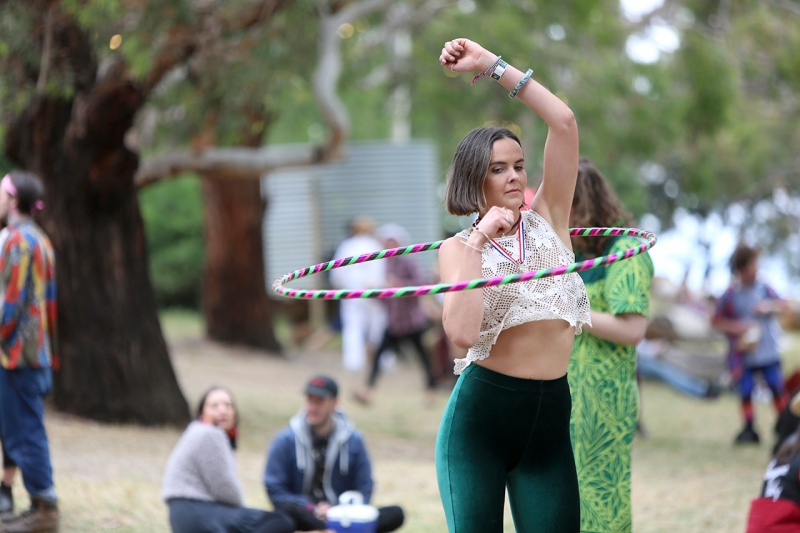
[
  {"x": 463, "y": 311},
  {"x": 561, "y": 151},
  {"x": 625, "y": 328}
]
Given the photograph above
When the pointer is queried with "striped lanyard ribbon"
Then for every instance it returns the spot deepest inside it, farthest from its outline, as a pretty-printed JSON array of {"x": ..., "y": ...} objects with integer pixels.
[{"x": 520, "y": 240}]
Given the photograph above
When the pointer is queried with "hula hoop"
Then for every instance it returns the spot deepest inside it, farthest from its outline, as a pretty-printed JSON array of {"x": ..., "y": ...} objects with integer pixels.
[{"x": 400, "y": 292}]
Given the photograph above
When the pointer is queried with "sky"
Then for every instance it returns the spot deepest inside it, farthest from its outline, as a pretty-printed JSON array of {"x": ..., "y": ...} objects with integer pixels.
[
  {"x": 634, "y": 9},
  {"x": 682, "y": 247}
]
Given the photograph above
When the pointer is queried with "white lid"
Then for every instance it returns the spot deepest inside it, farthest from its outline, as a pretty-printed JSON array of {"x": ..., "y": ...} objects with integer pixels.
[{"x": 353, "y": 513}]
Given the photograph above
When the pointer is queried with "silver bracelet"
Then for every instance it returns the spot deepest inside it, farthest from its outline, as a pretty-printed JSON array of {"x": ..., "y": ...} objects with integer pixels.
[
  {"x": 522, "y": 82},
  {"x": 499, "y": 70},
  {"x": 468, "y": 244}
]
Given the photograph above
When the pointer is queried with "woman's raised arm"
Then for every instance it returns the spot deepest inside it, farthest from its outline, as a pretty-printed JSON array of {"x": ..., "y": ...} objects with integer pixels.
[{"x": 561, "y": 151}]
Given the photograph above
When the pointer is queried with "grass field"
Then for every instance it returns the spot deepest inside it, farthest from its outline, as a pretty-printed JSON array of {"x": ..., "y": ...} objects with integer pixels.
[{"x": 687, "y": 476}]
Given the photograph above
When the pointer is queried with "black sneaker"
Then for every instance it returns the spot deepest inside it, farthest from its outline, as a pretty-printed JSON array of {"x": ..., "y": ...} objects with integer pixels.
[
  {"x": 747, "y": 436},
  {"x": 6, "y": 499}
]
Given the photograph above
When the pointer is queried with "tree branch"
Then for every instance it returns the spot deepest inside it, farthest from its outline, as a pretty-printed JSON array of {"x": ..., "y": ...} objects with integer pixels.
[
  {"x": 788, "y": 5},
  {"x": 248, "y": 163},
  {"x": 46, "y": 46},
  {"x": 178, "y": 48},
  {"x": 405, "y": 19},
  {"x": 227, "y": 163},
  {"x": 260, "y": 13},
  {"x": 329, "y": 67},
  {"x": 186, "y": 41}
]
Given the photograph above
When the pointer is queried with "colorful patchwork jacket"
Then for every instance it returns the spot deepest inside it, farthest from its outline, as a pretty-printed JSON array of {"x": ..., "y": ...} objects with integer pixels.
[{"x": 27, "y": 275}]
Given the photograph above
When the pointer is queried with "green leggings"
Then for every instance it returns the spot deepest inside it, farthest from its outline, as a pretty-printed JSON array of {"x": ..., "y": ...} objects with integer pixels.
[{"x": 501, "y": 432}]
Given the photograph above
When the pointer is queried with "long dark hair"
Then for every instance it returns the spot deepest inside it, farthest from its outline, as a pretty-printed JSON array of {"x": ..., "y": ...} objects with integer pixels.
[
  {"x": 595, "y": 204},
  {"x": 234, "y": 431}
]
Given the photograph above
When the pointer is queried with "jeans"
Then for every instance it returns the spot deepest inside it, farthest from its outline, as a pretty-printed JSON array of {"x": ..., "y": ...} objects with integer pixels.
[
  {"x": 195, "y": 516},
  {"x": 654, "y": 368},
  {"x": 22, "y": 427}
]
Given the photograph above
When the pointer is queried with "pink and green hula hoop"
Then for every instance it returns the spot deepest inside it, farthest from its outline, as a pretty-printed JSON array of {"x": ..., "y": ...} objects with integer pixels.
[{"x": 401, "y": 292}]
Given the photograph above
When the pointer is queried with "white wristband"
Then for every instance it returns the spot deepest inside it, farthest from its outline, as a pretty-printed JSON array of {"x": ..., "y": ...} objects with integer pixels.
[{"x": 499, "y": 70}]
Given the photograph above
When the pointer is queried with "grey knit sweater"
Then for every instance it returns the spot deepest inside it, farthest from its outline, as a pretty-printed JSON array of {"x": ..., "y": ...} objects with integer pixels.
[{"x": 202, "y": 467}]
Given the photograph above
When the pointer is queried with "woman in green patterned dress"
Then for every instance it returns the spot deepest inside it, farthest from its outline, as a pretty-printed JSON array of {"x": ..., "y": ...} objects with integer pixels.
[{"x": 602, "y": 368}]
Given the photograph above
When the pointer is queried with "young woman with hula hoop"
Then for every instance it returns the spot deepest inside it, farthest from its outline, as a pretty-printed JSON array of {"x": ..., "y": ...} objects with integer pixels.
[{"x": 506, "y": 425}]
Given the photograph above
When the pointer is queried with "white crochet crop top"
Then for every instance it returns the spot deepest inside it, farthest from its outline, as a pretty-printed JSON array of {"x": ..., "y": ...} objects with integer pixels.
[{"x": 534, "y": 246}]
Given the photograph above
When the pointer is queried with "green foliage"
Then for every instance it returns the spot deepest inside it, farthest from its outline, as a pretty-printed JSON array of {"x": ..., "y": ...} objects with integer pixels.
[
  {"x": 245, "y": 96},
  {"x": 736, "y": 86},
  {"x": 173, "y": 217},
  {"x": 5, "y": 164},
  {"x": 142, "y": 26},
  {"x": 720, "y": 116},
  {"x": 15, "y": 28},
  {"x": 710, "y": 88}
]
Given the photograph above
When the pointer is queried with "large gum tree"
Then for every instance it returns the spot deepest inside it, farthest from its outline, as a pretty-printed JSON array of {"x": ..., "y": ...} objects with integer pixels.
[{"x": 77, "y": 80}]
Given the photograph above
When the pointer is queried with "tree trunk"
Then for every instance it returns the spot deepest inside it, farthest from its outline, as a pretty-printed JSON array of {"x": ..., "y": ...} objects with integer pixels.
[
  {"x": 235, "y": 302},
  {"x": 114, "y": 364}
]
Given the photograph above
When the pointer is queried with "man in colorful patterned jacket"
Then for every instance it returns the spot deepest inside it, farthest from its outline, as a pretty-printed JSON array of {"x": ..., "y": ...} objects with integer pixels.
[{"x": 27, "y": 339}]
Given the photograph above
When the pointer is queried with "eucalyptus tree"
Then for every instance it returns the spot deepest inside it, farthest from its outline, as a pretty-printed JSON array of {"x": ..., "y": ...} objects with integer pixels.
[
  {"x": 75, "y": 76},
  {"x": 219, "y": 126},
  {"x": 86, "y": 86}
]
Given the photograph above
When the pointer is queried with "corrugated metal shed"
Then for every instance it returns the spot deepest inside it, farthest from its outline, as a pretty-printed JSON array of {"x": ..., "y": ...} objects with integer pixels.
[
  {"x": 291, "y": 225},
  {"x": 309, "y": 209}
]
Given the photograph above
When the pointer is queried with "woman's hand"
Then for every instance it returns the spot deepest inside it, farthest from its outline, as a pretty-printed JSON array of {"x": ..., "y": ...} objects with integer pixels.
[
  {"x": 496, "y": 222},
  {"x": 768, "y": 307},
  {"x": 463, "y": 55}
]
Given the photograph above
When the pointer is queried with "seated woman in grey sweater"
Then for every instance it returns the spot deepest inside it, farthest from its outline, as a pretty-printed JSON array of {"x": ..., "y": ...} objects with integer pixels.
[{"x": 201, "y": 486}]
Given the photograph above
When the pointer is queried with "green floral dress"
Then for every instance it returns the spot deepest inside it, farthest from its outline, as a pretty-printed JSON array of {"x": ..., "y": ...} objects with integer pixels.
[{"x": 605, "y": 398}]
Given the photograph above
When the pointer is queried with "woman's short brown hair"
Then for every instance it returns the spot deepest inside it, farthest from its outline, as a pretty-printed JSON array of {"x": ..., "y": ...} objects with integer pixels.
[{"x": 464, "y": 193}]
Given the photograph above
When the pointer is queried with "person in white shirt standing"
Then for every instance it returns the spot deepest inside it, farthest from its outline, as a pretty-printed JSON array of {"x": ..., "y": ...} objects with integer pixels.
[{"x": 363, "y": 319}]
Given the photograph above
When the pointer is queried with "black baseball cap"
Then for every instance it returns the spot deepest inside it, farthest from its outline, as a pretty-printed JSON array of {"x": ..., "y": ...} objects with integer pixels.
[{"x": 322, "y": 386}]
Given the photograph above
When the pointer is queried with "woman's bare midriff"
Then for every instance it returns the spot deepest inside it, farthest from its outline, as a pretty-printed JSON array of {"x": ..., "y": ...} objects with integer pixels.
[{"x": 534, "y": 350}]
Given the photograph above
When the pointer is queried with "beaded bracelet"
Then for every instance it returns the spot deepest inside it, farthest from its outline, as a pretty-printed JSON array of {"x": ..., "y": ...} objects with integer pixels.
[
  {"x": 479, "y": 230},
  {"x": 522, "y": 82}
]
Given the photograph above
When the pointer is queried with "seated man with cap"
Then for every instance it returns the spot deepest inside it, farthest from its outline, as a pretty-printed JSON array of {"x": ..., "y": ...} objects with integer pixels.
[{"x": 317, "y": 458}]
